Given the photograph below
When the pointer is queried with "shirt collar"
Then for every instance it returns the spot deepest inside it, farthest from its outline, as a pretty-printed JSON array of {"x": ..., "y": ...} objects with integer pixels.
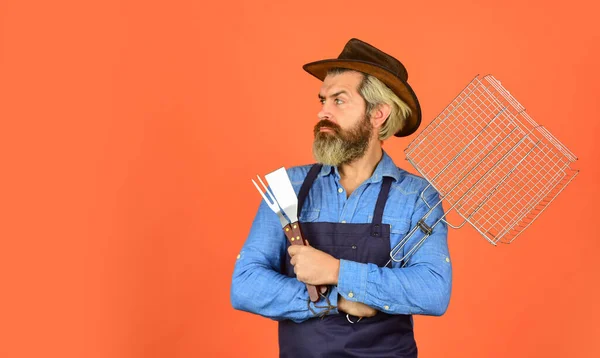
[{"x": 385, "y": 168}]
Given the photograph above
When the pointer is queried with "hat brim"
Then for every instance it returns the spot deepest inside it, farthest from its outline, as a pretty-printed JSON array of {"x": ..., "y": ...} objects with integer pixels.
[{"x": 398, "y": 86}]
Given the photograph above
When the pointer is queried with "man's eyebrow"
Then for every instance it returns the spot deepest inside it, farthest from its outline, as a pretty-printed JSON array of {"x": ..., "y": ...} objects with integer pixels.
[{"x": 335, "y": 94}]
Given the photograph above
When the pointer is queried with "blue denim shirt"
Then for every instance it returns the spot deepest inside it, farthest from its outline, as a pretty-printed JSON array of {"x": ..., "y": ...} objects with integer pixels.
[{"x": 422, "y": 287}]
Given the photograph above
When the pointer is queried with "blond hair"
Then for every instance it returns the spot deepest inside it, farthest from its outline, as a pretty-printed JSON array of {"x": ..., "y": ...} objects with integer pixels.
[{"x": 375, "y": 93}]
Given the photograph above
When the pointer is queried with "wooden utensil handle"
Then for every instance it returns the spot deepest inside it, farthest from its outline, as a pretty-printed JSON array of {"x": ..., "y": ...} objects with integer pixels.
[{"x": 294, "y": 236}]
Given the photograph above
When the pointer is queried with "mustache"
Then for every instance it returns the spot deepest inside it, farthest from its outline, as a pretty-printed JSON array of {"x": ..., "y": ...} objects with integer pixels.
[{"x": 325, "y": 123}]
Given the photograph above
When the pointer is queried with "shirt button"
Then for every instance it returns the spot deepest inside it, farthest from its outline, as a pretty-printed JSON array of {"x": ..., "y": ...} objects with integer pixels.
[
  {"x": 353, "y": 247},
  {"x": 343, "y": 221},
  {"x": 386, "y": 307},
  {"x": 340, "y": 190},
  {"x": 350, "y": 294},
  {"x": 447, "y": 259},
  {"x": 238, "y": 256}
]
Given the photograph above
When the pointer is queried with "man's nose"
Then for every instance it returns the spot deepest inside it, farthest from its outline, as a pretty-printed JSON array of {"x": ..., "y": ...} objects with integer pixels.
[{"x": 324, "y": 114}]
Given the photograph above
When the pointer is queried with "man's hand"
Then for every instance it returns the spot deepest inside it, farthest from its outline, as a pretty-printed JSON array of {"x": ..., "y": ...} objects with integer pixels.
[
  {"x": 313, "y": 266},
  {"x": 355, "y": 308}
]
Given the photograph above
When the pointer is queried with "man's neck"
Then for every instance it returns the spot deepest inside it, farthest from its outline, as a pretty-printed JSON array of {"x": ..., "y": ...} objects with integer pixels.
[{"x": 355, "y": 173}]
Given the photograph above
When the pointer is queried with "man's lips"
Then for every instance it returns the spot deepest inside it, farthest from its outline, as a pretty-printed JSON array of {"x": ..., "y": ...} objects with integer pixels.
[{"x": 326, "y": 129}]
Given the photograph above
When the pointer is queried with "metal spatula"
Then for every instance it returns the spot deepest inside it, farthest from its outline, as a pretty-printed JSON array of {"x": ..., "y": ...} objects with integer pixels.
[{"x": 281, "y": 186}]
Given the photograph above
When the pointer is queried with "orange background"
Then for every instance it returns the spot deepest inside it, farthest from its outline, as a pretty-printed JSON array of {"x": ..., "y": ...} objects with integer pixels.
[{"x": 130, "y": 131}]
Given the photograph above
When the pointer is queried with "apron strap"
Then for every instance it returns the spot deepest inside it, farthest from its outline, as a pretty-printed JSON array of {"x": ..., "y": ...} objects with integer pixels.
[
  {"x": 380, "y": 205},
  {"x": 308, "y": 182}
]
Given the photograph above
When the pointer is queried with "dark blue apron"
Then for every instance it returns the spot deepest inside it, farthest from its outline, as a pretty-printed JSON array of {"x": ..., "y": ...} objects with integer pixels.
[{"x": 382, "y": 335}]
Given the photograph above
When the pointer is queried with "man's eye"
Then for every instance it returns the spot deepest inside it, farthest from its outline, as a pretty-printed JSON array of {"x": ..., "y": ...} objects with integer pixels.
[
  {"x": 338, "y": 101},
  {"x": 322, "y": 100}
]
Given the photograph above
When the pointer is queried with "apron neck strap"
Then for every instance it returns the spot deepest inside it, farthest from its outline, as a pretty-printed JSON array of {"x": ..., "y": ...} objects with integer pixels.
[
  {"x": 381, "y": 200},
  {"x": 308, "y": 182},
  {"x": 376, "y": 228}
]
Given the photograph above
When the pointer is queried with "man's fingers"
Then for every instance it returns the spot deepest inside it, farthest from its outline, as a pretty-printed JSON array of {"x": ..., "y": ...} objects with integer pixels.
[{"x": 294, "y": 249}]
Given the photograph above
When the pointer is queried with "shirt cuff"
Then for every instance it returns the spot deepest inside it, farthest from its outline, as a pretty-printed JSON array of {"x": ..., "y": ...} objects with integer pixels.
[{"x": 352, "y": 280}]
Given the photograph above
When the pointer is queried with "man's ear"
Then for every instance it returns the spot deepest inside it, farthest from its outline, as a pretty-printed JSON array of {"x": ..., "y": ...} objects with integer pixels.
[{"x": 379, "y": 114}]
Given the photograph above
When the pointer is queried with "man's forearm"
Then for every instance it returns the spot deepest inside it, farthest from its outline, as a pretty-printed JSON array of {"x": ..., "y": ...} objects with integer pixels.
[
  {"x": 413, "y": 290},
  {"x": 259, "y": 289}
]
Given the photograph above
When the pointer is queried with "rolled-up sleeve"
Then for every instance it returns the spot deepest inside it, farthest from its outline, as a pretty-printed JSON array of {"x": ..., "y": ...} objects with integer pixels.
[{"x": 257, "y": 284}]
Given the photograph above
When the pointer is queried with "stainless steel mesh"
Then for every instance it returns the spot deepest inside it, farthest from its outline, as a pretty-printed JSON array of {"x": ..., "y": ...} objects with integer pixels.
[{"x": 492, "y": 164}]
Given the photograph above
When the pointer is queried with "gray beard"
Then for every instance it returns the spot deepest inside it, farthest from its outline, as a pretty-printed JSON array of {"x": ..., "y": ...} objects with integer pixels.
[{"x": 342, "y": 147}]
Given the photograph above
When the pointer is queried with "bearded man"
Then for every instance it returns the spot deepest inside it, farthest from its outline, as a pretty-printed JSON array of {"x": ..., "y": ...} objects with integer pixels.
[{"x": 355, "y": 204}]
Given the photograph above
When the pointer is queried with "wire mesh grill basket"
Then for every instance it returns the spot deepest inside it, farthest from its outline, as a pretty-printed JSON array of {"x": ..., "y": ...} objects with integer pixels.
[{"x": 491, "y": 163}]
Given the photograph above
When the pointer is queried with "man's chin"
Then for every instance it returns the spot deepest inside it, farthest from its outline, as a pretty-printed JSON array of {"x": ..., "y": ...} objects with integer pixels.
[
  {"x": 326, "y": 136},
  {"x": 323, "y": 155}
]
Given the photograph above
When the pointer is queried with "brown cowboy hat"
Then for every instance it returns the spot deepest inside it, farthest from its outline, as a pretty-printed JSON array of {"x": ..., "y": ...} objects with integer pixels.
[{"x": 360, "y": 56}]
